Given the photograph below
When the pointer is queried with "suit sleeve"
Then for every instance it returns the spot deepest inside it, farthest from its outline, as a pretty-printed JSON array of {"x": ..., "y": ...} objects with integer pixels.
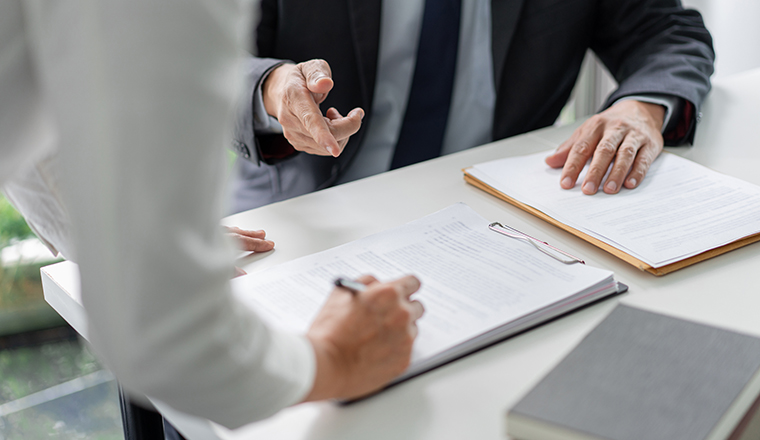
[
  {"x": 246, "y": 142},
  {"x": 657, "y": 47}
]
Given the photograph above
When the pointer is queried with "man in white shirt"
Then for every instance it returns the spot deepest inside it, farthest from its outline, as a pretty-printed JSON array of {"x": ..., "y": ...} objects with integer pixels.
[
  {"x": 133, "y": 99},
  {"x": 515, "y": 65}
]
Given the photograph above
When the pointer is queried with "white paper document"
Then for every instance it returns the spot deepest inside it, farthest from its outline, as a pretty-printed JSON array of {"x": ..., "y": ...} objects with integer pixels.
[
  {"x": 477, "y": 285},
  {"x": 681, "y": 209}
]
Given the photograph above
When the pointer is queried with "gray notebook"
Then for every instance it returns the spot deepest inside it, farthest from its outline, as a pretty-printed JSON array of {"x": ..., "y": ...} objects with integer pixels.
[{"x": 642, "y": 375}]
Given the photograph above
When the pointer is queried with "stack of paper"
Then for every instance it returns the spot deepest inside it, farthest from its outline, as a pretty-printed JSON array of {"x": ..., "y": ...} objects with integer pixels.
[
  {"x": 681, "y": 210},
  {"x": 478, "y": 286}
]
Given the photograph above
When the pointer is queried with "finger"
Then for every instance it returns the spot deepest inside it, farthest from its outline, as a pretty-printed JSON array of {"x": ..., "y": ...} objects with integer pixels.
[
  {"x": 623, "y": 163},
  {"x": 254, "y": 244},
  {"x": 416, "y": 310},
  {"x": 253, "y": 234},
  {"x": 308, "y": 113},
  {"x": 367, "y": 279},
  {"x": 558, "y": 158},
  {"x": 304, "y": 142},
  {"x": 644, "y": 159},
  {"x": 413, "y": 330},
  {"x": 579, "y": 154},
  {"x": 603, "y": 155},
  {"x": 333, "y": 113},
  {"x": 341, "y": 128},
  {"x": 406, "y": 286},
  {"x": 344, "y": 128},
  {"x": 318, "y": 78}
]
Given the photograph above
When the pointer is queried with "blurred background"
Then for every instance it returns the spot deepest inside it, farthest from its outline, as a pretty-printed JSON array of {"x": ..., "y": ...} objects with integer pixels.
[{"x": 52, "y": 386}]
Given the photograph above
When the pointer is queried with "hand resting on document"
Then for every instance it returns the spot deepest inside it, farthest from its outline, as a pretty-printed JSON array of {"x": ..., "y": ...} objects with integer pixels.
[
  {"x": 363, "y": 340},
  {"x": 628, "y": 134}
]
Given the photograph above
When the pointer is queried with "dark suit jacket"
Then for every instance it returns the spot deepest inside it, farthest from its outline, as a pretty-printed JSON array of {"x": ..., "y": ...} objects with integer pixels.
[{"x": 650, "y": 46}]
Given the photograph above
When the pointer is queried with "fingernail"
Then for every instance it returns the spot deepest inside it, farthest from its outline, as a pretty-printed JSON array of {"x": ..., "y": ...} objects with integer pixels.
[
  {"x": 330, "y": 150},
  {"x": 589, "y": 188},
  {"x": 567, "y": 183},
  {"x": 611, "y": 186},
  {"x": 632, "y": 182}
]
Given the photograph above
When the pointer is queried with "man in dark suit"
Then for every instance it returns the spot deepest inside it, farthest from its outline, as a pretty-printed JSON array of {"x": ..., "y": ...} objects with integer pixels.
[{"x": 514, "y": 65}]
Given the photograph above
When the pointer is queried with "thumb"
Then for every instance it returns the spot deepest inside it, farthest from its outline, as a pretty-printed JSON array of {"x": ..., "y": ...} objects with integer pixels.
[{"x": 318, "y": 78}]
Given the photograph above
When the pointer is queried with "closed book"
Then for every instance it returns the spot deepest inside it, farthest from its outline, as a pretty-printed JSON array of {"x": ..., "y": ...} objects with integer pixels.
[{"x": 643, "y": 375}]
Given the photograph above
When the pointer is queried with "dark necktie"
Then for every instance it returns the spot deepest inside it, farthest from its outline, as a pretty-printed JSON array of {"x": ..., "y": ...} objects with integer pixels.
[{"x": 421, "y": 135}]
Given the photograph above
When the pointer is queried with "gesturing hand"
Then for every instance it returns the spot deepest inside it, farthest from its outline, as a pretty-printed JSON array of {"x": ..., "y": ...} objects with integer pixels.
[
  {"x": 292, "y": 94},
  {"x": 628, "y": 134},
  {"x": 363, "y": 341}
]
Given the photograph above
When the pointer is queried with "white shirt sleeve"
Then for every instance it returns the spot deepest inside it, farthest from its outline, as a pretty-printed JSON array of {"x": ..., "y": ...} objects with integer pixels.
[
  {"x": 143, "y": 94},
  {"x": 667, "y": 101}
]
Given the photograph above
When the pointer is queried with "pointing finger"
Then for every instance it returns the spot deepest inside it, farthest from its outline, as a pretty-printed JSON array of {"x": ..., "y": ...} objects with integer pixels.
[{"x": 308, "y": 113}]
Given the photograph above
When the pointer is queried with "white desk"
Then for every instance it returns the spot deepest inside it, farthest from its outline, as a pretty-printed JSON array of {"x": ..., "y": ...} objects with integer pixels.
[{"x": 467, "y": 399}]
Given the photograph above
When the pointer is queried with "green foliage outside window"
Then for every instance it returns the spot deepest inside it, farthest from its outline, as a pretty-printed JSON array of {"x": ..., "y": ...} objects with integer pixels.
[
  {"x": 22, "y": 306},
  {"x": 12, "y": 225}
]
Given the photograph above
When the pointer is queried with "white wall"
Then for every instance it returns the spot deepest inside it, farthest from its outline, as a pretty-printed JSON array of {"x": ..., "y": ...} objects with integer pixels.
[{"x": 735, "y": 27}]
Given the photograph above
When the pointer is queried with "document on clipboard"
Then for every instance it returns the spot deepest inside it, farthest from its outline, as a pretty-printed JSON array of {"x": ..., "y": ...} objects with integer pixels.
[
  {"x": 481, "y": 282},
  {"x": 681, "y": 214}
]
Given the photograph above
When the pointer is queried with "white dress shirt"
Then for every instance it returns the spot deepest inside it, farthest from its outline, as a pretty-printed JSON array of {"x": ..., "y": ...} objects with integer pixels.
[{"x": 136, "y": 98}]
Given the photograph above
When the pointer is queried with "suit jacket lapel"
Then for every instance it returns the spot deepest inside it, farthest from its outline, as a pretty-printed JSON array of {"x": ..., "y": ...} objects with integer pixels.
[
  {"x": 365, "y": 28},
  {"x": 504, "y": 15}
]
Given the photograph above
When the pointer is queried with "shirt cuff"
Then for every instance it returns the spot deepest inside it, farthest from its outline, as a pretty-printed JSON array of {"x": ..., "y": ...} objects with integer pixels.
[
  {"x": 262, "y": 122},
  {"x": 296, "y": 362},
  {"x": 669, "y": 102}
]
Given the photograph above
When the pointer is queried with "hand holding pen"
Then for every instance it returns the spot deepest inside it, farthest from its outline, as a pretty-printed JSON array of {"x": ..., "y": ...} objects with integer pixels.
[{"x": 363, "y": 336}]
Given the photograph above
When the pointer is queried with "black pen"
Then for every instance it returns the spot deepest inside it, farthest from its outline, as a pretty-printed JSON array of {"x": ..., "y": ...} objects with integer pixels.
[{"x": 352, "y": 286}]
